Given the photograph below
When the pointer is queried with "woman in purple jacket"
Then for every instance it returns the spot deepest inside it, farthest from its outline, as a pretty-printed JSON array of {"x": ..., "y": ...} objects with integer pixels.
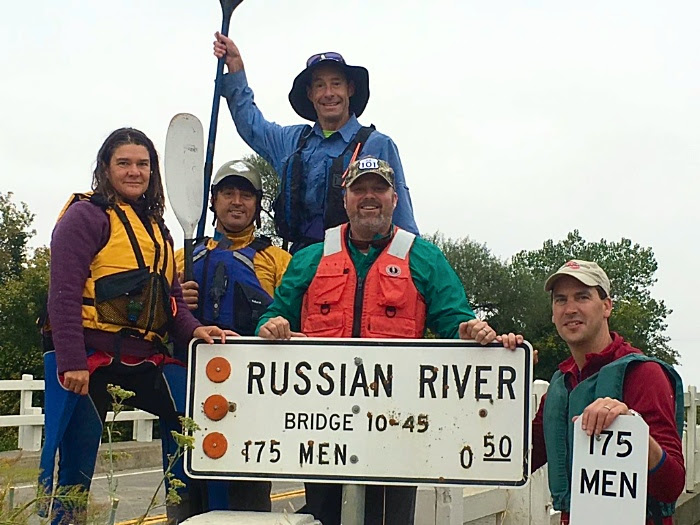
[{"x": 114, "y": 306}]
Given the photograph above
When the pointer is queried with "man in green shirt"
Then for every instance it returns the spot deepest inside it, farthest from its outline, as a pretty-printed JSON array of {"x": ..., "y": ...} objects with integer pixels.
[{"x": 371, "y": 279}]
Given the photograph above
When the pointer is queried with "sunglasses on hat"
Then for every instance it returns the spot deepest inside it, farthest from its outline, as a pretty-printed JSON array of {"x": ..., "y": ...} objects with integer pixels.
[{"x": 315, "y": 59}]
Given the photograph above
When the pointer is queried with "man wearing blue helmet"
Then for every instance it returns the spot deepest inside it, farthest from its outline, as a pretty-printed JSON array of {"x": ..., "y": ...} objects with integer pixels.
[{"x": 311, "y": 161}]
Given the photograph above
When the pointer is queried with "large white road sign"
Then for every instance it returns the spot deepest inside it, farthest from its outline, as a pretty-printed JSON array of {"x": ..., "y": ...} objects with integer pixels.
[{"x": 428, "y": 411}]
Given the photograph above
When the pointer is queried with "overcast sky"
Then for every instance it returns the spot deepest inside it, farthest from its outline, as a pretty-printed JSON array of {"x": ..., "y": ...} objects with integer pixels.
[{"x": 515, "y": 123}]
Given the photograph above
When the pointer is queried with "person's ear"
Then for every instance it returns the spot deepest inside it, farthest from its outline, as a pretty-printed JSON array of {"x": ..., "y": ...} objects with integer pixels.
[{"x": 607, "y": 305}]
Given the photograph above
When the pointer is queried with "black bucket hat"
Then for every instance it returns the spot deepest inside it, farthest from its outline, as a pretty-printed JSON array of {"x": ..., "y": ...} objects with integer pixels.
[{"x": 358, "y": 75}]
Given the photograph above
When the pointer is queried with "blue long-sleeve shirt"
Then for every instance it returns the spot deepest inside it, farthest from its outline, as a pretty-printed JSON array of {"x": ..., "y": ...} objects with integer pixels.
[{"x": 276, "y": 143}]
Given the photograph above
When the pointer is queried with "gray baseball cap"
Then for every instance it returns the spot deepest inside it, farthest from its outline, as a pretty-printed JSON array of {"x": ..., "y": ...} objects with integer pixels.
[
  {"x": 238, "y": 168},
  {"x": 587, "y": 272}
]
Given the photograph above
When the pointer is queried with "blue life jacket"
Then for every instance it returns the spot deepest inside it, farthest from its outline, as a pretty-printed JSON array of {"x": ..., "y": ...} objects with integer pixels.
[
  {"x": 230, "y": 294},
  {"x": 291, "y": 219}
]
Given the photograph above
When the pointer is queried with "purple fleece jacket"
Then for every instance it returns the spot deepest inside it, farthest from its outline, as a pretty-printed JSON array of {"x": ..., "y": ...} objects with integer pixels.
[{"x": 80, "y": 234}]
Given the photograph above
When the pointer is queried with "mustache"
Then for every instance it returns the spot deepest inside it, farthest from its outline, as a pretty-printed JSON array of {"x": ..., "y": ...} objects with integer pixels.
[{"x": 370, "y": 202}]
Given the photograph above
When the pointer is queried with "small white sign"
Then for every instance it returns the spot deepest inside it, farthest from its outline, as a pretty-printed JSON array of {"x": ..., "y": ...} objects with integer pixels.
[
  {"x": 368, "y": 164},
  {"x": 609, "y": 477},
  {"x": 361, "y": 411}
]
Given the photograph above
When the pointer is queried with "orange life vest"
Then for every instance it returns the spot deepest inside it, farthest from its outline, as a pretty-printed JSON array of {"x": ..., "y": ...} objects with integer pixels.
[{"x": 386, "y": 304}]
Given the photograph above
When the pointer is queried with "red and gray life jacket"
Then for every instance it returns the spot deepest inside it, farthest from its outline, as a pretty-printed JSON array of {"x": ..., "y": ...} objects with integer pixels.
[{"x": 384, "y": 304}]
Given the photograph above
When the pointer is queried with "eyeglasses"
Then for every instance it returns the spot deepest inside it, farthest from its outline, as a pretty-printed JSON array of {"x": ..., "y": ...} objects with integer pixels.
[{"x": 315, "y": 59}]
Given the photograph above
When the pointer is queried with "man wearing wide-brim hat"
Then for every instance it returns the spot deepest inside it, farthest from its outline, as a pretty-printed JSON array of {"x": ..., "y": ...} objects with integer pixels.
[{"x": 312, "y": 160}]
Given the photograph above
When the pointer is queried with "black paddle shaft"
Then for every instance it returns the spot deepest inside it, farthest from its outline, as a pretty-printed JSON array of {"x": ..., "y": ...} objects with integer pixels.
[
  {"x": 189, "y": 252},
  {"x": 227, "y": 7}
]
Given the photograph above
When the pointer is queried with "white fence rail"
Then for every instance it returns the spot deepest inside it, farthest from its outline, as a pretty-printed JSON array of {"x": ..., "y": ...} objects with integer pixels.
[
  {"x": 440, "y": 506},
  {"x": 30, "y": 419}
]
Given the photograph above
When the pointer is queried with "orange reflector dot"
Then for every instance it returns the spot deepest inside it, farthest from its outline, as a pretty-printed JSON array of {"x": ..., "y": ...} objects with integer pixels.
[
  {"x": 214, "y": 445},
  {"x": 215, "y": 407},
  {"x": 218, "y": 369}
]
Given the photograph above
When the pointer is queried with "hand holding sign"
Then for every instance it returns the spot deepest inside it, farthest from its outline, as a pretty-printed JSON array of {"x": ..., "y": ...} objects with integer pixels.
[
  {"x": 482, "y": 333},
  {"x": 278, "y": 328},
  {"x": 600, "y": 414}
]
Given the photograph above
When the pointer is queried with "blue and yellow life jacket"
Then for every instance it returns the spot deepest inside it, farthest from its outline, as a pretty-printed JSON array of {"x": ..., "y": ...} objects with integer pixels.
[{"x": 230, "y": 293}]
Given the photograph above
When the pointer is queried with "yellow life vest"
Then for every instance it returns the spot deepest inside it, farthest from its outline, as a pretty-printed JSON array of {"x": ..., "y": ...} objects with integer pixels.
[{"x": 128, "y": 289}]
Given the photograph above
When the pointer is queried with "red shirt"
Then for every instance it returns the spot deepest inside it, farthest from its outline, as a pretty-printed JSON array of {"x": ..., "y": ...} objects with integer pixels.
[{"x": 647, "y": 390}]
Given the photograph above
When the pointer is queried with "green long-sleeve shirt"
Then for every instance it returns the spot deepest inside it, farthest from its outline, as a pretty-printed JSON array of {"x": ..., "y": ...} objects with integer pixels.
[{"x": 446, "y": 303}]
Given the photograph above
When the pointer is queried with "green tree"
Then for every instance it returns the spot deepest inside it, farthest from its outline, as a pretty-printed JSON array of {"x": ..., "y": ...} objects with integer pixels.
[
  {"x": 511, "y": 297},
  {"x": 23, "y": 289},
  {"x": 496, "y": 293},
  {"x": 270, "y": 182},
  {"x": 24, "y": 276},
  {"x": 14, "y": 235},
  {"x": 486, "y": 278},
  {"x": 639, "y": 317},
  {"x": 22, "y": 300}
]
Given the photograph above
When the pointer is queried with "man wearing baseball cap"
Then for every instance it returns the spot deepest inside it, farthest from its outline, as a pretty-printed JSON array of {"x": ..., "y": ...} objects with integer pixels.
[
  {"x": 235, "y": 275},
  {"x": 317, "y": 298},
  {"x": 311, "y": 161},
  {"x": 603, "y": 378}
]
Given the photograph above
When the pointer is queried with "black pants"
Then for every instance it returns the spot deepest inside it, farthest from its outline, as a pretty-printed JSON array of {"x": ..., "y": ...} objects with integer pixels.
[
  {"x": 156, "y": 396},
  {"x": 78, "y": 446},
  {"x": 153, "y": 394},
  {"x": 384, "y": 505}
]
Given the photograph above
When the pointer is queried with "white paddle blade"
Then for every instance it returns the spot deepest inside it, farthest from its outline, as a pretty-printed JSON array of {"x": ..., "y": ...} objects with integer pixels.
[{"x": 184, "y": 170}]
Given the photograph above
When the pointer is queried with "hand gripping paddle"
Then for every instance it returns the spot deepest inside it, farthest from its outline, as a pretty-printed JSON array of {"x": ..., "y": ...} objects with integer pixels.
[{"x": 227, "y": 7}]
